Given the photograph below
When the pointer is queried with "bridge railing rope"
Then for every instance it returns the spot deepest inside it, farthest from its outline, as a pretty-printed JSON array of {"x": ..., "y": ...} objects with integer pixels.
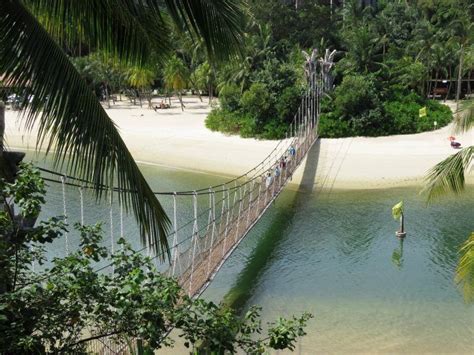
[
  {"x": 242, "y": 196},
  {"x": 200, "y": 243}
]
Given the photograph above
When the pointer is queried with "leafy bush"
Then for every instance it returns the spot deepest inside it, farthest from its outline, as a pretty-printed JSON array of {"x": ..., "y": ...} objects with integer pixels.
[
  {"x": 332, "y": 127},
  {"x": 372, "y": 123},
  {"x": 355, "y": 96},
  {"x": 435, "y": 112},
  {"x": 49, "y": 310},
  {"x": 274, "y": 129},
  {"x": 398, "y": 115},
  {"x": 229, "y": 97},
  {"x": 403, "y": 115},
  {"x": 223, "y": 121},
  {"x": 277, "y": 76},
  {"x": 288, "y": 103},
  {"x": 214, "y": 120},
  {"x": 256, "y": 101},
  {"x": 247, "y": 126}
]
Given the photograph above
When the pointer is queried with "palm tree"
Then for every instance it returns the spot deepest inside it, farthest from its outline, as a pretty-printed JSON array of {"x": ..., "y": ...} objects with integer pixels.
[
  {"x": 461, "y": 31},
  {"x": 175, "y": 76},
  {"x": 142, "y": 78},
  {"x": 204, "y": 78},
  {"x": 449, "y": 175},
  {"x": 69, "y": 117}
]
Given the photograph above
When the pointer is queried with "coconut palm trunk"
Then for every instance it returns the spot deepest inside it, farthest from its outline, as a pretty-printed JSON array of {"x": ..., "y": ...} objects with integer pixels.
[
  {"x": 458, "y": 90},
  {"x": 210, "y": 94},
  {"x": 180, "y": 97}
]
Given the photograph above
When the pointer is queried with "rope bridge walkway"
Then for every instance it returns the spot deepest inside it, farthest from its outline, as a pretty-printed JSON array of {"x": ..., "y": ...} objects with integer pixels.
[{"x": 202, "y": 243}]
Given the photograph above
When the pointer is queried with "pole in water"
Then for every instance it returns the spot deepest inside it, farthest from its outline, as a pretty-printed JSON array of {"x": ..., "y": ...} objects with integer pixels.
[
  {"x": 398, "y": 214},
  {"x": 401, "y": 233}
]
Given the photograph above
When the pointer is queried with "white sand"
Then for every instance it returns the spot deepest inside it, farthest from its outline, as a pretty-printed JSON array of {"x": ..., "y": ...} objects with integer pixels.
[{"x": 173, "y": 138}]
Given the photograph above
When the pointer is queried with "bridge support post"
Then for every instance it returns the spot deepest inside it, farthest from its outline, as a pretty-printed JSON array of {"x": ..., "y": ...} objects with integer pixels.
[
  {"x": 250, "y": 203},
  {"x": 63, "y": 190},
  {"x": 195, "y": 241},
  {"x": 213, "y": 230},
  {"x": 226, "y": 222},
  {"x": 175, "y": 237}
]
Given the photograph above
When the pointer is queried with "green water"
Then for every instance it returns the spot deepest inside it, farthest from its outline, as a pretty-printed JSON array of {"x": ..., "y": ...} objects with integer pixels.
[{"x": 334, "y": 254}]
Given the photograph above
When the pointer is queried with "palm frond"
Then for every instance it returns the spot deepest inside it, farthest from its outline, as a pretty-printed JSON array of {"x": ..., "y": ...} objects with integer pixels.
[
  {"x": 449, "y": 174},
  {"x": 130, "y": 30},
  {"x": 219, "y": 23},
  {"x": 465, "y": 269},
  {"x": 71, "y": 118},
  {"x": 464, "y": 118}
]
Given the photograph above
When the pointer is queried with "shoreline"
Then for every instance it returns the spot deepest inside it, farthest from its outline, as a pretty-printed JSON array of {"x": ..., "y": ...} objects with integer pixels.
[
  {"x": 179, "y": 140},
  {"x": 341, "y": 185}
]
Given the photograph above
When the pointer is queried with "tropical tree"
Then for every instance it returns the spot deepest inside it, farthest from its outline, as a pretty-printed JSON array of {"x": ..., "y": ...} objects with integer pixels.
[
  {"x": 461, "y": 32},
  {"x": 101, "y": 73},
  {"x": 32, "y": 59},
  {"x": 63, "y": 306},
  {"x": 175, "y": 75},
  {"x": 258, "y": 48},
  {"x": 449, "y": 176},
  {"x": 142, "y": 78},
  {"x": 205, "y": 78}
]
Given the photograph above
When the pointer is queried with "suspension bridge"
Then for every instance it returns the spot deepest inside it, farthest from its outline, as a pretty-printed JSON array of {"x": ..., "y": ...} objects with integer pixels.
[{"x": 201, "y": 244}]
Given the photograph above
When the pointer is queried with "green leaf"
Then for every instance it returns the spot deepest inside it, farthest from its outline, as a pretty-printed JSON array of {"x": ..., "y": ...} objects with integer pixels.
[
  {"x": 219, "y": 23},
  {"x": 448, "y": 175},
  {"x": 72, "y": 119},
  {"x": 397, "y": 210},
  {"x": 126, "y": 29},
  {"x": 465, "y": 269}
]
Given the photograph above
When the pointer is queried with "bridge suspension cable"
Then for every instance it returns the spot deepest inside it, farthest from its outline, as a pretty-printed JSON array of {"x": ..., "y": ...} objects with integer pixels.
[{"x": 200, "y": 245}]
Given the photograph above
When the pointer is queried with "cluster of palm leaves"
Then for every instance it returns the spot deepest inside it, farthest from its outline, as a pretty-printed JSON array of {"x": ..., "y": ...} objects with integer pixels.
[
  {"x": 34, "y": 37},
  {"x": 449, "y": 175}
]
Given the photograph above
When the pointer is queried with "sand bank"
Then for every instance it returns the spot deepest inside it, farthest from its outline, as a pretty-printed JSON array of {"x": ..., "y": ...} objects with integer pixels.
[{"x": 179, "y": 139}]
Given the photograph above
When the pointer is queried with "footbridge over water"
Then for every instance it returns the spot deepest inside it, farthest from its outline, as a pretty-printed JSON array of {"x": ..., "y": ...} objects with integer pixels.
[
  {"x": 203, "y": 237},
  {"x": 202, "y": 243}
]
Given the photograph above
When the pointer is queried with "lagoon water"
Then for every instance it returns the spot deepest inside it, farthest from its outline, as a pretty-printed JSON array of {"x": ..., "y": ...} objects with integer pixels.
[{"x": 334, "y": 254}]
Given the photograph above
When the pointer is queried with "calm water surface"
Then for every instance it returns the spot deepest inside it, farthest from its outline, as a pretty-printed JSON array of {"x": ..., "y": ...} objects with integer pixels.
[{"x": 334, "y": 254}]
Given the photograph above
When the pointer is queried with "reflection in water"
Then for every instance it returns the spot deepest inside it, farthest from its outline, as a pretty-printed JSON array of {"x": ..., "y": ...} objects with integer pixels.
[
  {"x": 397, "y": 255},
  {"x": 369, "y": 291},
  {"x": 332, "y": 257},
  {"x": 272, "y": 237},
  {"x": 261, "y": 256}
]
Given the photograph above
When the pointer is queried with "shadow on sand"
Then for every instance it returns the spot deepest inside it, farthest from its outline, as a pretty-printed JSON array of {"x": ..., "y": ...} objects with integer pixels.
[{"x": 262, "y": 255}]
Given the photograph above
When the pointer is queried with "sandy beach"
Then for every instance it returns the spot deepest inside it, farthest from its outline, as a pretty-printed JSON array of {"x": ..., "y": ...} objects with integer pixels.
[{"x": 180, "y": 139}]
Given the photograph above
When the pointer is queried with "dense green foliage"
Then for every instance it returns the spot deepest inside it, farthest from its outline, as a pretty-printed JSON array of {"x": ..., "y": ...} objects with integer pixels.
[
  {"x": 356, "y": 108},
  {"x": 91, "y": 293},
  {"x": 393, "y": 52},
  {"x": 38, "y": 40},
  {"x": 392, "y": 59}
]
